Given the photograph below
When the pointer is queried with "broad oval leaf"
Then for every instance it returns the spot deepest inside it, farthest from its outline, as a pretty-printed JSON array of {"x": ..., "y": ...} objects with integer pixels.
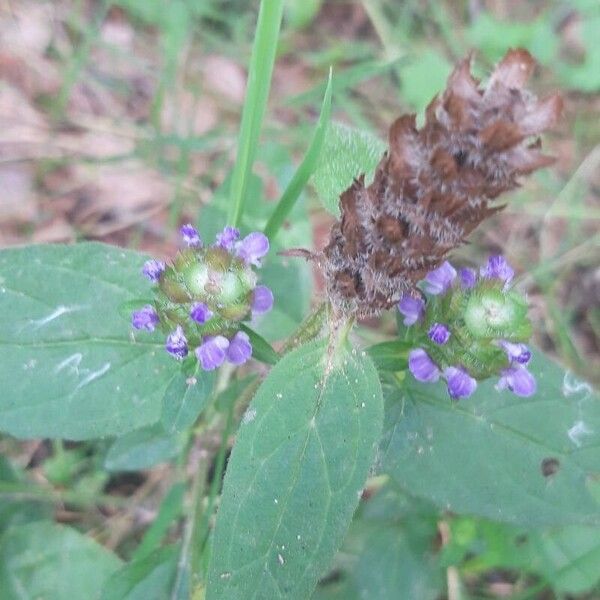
[
  {"x": 294, "y": 478},
  {"x": 520, "y": 460},
  {"x": 69, "y": 364},
  {"x": 46, "y": 560}
]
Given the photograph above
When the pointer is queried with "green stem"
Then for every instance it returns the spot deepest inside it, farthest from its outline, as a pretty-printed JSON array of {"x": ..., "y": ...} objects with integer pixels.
[{"x": 257, "y": 91}]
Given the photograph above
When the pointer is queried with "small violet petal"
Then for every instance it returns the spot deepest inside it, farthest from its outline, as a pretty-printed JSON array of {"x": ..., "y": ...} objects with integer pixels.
[
  {"x": 439, "y": 333},
  {"x": 468, "y": 278},
  {"x": 262, "y": 299},
  {"x": 498, "y": 268},
  {"x": 518, "y": 380},
  {"x": 253, "y": 247},
  {"x": 200, "y": 313},
  {"x": 177, "y": 343},
  {"x": 145, "y": 318},
  {"x": 440, "y": 279},
  {"x": 460, "y": 383},
  {"x": 240, "y": 349},
  {"x": 190, "y": 236},
  {"x": 211, "y": 353},
  {"x": 412, "y": 308},
  {"x": 153, "y": 269},
  {"x": 519, "y": 353},
  {"x": 422, "y": 367},
  {"x": 228, "y": 237}
]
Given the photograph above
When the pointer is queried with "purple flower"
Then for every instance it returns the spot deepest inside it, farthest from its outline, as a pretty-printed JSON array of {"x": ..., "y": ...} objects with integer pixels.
[
  {"x": 211, "y": 353},
  {"x": 177, "y": 343},
  {"x": 228, "y": 237},
  {"x": 145, "y": 318},
  {"x": 200, "y": 313},
  {"x": 422, "y": 367},
  {"x": 468, "y": 278},
  {"x": 262, "y": 299},
  {"x": 153, "y": 269},
  {"x": 412, "y": 308},
  {"x": 190, "y": 236},
  {"x": 460, "y": 383},
  {"x": 518, "y": 380},
  {"x": 519, "y": 353},
  {"x": 253, "y": 247},
  {"x": 440, "y": 279},
  {"x": 439, "y": 333},
  {"x": 498, "y": 268},
  {"x": 240, "y": 349}
]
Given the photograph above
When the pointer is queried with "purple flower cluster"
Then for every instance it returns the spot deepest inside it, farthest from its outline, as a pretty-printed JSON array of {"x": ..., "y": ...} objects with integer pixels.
[
  {"x": 226, "y": 344},
  {"x": 460, "y": 383}
]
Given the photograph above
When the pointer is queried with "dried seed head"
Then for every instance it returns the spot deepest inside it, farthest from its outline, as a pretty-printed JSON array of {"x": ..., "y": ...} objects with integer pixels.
[{"x": 435, "y": 184}]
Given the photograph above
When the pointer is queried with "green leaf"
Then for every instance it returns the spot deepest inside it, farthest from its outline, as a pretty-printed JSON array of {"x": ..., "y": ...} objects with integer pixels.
[
  {"x": 45, "y": 560},
  {"x": 390, "y": 356},
  {"x": 520, "y": 460},
  {"x": 305, "y": 170},
  {"x": 142, "y": 449},
  {"x": 150, "y": 578},
  {"x": 69, "y": 364},
  {"x": 300, "y": 13},
  {"x": 423, "y": 78},
  {"x": 185, "y": 398},
  {"x": 295, "y": 475},
  {"x": 346, "y": 154},
  {"x": 261, "y": 349},
  {"x": 170, "y": 509}
]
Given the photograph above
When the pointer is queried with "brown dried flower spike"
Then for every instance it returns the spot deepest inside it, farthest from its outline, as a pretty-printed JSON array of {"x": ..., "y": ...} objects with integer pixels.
[{"x": 435, "y": 185}]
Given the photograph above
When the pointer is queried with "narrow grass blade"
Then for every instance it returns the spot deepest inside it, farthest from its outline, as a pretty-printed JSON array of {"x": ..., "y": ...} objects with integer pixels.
[{"x": 305, "y": 170}]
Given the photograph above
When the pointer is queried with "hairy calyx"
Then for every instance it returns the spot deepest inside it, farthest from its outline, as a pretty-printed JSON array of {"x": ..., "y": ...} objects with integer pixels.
[{"x": 435, "y": 184}]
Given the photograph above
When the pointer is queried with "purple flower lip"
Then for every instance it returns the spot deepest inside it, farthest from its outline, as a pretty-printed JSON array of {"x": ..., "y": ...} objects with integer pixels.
[
  {"x": 252, "y": 248},
  {"x": 518, "y": 380},
  {"x": 200, "y": 313},
  {"x": 240, "y": 349},
  {"x": 145, "y": 318},
  {"x": 519, "y": 353},
  {"x": 228, "y": 237},
  {"x": 176, "y": 344},
  {"x": 211, "y": 353},
  {"x": 412, "y": 308},
  {"x": 468, "y": 278},
  {"x": 439, "y": 333},
  {"x": 422, "y": 367},
  {"x": 262, "y": 299},
  {"x": 153, "y": 269},
  {"x": 498, "y": 268},
  {"x": 190, "y": 236},
  {"x": 460, "y": 383},
  {"x": 439, "y": 280}
]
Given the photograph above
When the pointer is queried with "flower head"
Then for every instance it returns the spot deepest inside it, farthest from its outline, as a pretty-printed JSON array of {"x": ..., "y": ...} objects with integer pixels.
[
  {"x": 228, "y": 237},
  {"x": 240, "y": 349},
  {"x": 200, "y": 312},
  {"x": 468, "y": 278},
  {"x": 145, "y": 318},
  {"x": 498, "y": 268},
  {"x": 262, "y": 299},
  {"x": 211, "y": 353},
  {"x": 422, "y": 367},
  {"x": 190, "y": 236},
  {"x": 177, "y": 344},
  {"x": 518, "y": 380},
  {"x": 253, "y": 247},
  {"x": 153, "y": 269},
  {"x": 439, "y": 280},
  {"x": 460, "y": 383},
  {"x": 412, "y": 308},
  {"x": 439, "y": 333}
]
